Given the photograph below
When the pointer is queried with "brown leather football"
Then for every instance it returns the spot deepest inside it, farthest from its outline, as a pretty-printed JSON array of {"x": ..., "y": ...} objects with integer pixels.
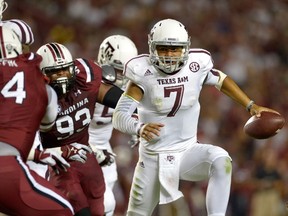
[{"x": 267, "y": 125}]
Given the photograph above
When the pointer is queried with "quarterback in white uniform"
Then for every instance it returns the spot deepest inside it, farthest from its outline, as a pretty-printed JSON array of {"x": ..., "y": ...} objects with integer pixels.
[
  {"x": 165, "y": 87},
  {"x": 115, "y": 50}
]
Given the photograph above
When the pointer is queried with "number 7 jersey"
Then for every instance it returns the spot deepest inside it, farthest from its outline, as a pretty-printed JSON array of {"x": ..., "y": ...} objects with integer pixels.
[{"x": 172, "y": 99}]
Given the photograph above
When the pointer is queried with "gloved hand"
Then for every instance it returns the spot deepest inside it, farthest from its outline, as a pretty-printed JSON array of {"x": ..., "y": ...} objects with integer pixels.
[
  {"x": 104, "y": 157},
  {"x": 76, "y": 152},
  {"x": 52, "y": 158},
  {"x": 134, "y": 141}
]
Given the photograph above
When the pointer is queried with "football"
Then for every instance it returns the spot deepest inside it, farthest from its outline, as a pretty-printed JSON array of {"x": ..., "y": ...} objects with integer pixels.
[{"x": 267, "y": 125}]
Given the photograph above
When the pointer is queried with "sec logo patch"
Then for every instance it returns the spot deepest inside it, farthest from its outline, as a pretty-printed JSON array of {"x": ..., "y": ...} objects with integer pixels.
[{"x": 194, "y": 67}]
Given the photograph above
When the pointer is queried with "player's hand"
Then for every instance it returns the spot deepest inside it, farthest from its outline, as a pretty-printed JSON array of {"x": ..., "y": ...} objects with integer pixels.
[
  {"x": 134, "y": 141},
  {"x": 104, "y": 157},
  {"x": 76, "y": 152},
  {"x": 51, "y": 158},
  {"x": 150, "y": 131},
  {"x": 256, "y": 110}
]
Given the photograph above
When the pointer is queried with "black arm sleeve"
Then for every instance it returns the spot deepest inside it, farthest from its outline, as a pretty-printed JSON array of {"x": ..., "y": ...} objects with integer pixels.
[{"x": 112, "y": 96}]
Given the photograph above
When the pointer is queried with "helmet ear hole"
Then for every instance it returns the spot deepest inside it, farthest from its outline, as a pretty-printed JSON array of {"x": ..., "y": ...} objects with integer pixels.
[{"x": 11, "y": 46}]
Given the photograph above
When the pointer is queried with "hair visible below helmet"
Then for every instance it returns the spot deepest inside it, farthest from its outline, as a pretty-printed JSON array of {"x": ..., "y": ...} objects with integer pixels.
[
  {"x": 116, "y": 50},
  {"x": 55, "y": 57},
  {"x": 10, "y": 45},
  {"x": 3, "y": 7},
  {"x": 168, "y": 32},
  {"x": 22, "y": 29}
]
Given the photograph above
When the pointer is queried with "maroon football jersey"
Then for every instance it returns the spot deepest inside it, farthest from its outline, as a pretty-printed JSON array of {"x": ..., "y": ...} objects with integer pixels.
[
  {"x": 23, "y": 101},
  {"x": 76, "y": 109}
]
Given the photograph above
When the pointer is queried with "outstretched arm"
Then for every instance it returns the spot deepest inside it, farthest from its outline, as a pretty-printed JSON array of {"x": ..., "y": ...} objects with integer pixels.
[{"x": 232, "y": 90}]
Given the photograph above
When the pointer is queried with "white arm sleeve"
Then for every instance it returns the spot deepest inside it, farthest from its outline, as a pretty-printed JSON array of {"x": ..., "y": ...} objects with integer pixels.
[
  {"x": 51, "y": 111},
  {"x": 122, "y": 117}
]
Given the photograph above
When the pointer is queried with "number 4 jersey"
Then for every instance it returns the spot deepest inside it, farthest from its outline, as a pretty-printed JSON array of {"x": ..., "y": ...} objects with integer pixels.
[{"x": 25, "y": 97}]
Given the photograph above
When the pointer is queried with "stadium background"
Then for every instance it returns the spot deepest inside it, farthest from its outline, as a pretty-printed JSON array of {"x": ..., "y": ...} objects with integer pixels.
[{"x": 248, "y": 41}]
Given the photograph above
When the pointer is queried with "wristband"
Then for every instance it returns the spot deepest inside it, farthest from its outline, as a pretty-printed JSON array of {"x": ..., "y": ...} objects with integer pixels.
[{"x": 249, "y": 105}]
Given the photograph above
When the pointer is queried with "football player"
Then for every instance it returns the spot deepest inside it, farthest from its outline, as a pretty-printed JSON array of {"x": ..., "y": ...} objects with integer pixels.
[
  {"x": 78, "y": 83},
  {"x": 27, "y": 102},
  {"x": 165, "y": 87},
  {"x": 115, "y": 50},
  {"x": 26, "y": 37}
]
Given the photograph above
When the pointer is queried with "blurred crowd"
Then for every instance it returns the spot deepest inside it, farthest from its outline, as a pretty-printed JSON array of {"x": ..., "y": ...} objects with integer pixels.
[{"x": 248, "y": 41}]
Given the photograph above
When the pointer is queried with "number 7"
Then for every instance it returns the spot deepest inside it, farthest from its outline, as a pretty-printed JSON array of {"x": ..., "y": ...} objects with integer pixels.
[{"x": 178, "y": 99}]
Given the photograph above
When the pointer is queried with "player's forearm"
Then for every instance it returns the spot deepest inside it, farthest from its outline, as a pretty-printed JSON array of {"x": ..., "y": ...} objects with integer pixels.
[
  {"x": 122, "y": 117},
  {"x": 232, "y": 90}
]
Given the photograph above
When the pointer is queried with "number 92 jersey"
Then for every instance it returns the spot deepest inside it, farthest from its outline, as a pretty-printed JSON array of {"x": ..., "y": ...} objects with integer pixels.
[
  {"x": 76, "y": 109},
  {"x": 172, "y": 99}
]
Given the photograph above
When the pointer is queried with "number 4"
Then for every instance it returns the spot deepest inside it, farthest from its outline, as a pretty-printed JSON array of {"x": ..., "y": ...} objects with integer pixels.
[{"x": 19, "y": 93}]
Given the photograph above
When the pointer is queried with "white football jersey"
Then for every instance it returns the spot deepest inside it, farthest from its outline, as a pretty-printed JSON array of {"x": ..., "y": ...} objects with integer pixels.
[
  {"x": 100, "y": 128},
  {"x": 172, "y": 99}
]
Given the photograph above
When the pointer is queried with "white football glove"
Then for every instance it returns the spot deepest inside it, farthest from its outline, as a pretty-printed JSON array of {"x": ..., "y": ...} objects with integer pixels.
[
  {"x": 76, "y": 152},
  {"x": 104, "y": 157},
  {"x": 52, "y": 158}
]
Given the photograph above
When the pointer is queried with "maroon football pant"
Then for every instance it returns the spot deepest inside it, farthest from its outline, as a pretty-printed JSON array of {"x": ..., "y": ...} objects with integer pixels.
[
  {"x": 23, "y": 192},
  {"x": 83, "y": 185}
]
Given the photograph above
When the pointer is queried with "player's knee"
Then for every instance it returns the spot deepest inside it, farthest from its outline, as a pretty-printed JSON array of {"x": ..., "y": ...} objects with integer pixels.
[{"x": 222, "y": 166}]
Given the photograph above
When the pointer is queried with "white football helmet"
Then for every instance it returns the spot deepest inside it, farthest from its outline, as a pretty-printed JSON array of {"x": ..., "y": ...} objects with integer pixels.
[
  {"x": 22, "y": 29},
  {"x": 3, "y": 7},
  {"x": 57, "y": 57},
  {"x": 11, "y": 46},
  {"x": 116, "y": 50},
  {"x": 168, "y": 32}
]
